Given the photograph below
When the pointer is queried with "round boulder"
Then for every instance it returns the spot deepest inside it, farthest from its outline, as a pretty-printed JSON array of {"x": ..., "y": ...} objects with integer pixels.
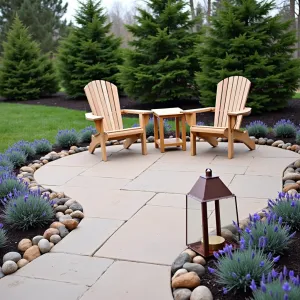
[
  {"x": 44, "y": 246},
  {"x": 227, "y": 234},
  {"x": 24, "y": 245},
  {"x": 190, "y": 252},
  {"x": 70, "y": 224},
  {"x": 77, "y": 214},
  {"x": 76, "y": 206},
  {"x": 199, "y": 260},
  {"x": 201, "y": 293},
  {"x": 9, "y": 267},
  {"x": 49, "y": 232},
  {"x": 56, "y": 225},
  {"x": 189, "y": 280},
  {"x": 22, "y": 263},
  {"x": 55, "y": 239},
  {"x": 179, "y": 273},
  {"x": 182, "y": 294},
  {"x": 14, "y": 256},
  {"x": 180, "y": 261},
  {"x": 193, "y": 267},
  {"x": 36, "y": 239},
  {"x": 32, "y": 253}
]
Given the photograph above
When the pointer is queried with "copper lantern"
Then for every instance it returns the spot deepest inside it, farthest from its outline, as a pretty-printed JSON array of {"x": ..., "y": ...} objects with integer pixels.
[{"x": 210, "y": 206}]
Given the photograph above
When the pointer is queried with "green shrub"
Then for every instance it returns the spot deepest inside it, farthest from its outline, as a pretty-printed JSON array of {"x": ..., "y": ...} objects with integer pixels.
[
  {"x": 17, "y": 157},
  {"x": 67, "y": 138},
  {"x": 3, "y": 237},
  {"x": 257, "y": 129},
  {"x": 278, "y": 235},
  {"x": 276, "y": 286},
  {"x": 42, "y": 146},
  {"x": 86, "y": 134},
  {"x": 285, "y": 128},
  {"x": 236, "y": 269},
  {"x": 288, "y": 208},
  {"x": 26, "y": 147},
  {"x": 298, "y": 137},
  {"x": 28, "y": 211},
  {"x": 9, "y": 184}
]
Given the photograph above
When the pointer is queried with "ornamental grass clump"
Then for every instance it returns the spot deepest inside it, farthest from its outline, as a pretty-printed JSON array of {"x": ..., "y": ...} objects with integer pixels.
[
  {"x": 288, "y": 208},
  {"x": 257, "y": 129},
  {"x": 42, "y": 146},
  {"x": 86, "y": 134},
  {"x": 24, "y": 211},
  {"x": 285, "y": 129},
  {"x": 278, "y": 236},
  {"x": 27, "y": 147},
  {"x": 274, "y": 286},
  {"x": 16, "y": 156},
  {"x": 67, "y": 138},
  {"x": 8, "y": 184},
  {"x": 3, "y": 237},
  {"x": 235, "y": 270}
]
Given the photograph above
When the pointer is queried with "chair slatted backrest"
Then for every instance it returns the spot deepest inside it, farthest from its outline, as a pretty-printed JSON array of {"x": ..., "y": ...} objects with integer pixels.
[
  {"x": 104, "y": 101},
  {"x": 231, "y": 96}
]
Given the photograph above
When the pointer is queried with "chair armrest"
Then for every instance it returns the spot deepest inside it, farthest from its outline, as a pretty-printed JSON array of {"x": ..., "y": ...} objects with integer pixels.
[
  {"x": 199, "y": 110},
  {"x": 136, "y": 112},
  {"x": 244, "y": 112},
  {"x": 91, "y": 117}
]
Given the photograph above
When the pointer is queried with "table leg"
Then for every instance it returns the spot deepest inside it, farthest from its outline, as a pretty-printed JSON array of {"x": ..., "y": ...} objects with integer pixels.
[
  {"x": 177, "y": 128},
  {"x": 161, "y": 135},
  {"x": 183, "y": 133},
  {"x": 155, "y": 131}
]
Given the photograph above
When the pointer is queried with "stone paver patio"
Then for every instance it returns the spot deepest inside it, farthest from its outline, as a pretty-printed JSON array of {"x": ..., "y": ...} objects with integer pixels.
[{"x": 134, "y": 224}]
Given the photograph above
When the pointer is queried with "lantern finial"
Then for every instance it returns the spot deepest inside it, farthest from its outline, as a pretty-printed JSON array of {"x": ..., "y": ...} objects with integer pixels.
[{"x": 208, "y": 172}]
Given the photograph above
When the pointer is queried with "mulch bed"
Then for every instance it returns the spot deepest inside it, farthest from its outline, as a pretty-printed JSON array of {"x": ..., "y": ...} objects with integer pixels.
[{"x": 290, "y": 259}]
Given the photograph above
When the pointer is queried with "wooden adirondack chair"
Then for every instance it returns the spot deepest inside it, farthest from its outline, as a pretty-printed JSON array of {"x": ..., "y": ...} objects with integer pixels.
[
  {"x": 106, "y": 113},
  {"x": 230, "y": 108}
]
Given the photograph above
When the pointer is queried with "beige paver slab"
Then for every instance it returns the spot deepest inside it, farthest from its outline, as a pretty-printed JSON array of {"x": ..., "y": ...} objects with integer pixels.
[
  {"x": 168, "y": 181},
  {"x": 86, "y": 182},
  {"x": 90, "y": 235},
  {"x": 268, "y": 166},
  {"x": 63, "y": 267},
  {"x": 252, "y": 186},
  {"x": 109, "y": 204},
  {"x": 241, "y": 161},
  {"x": 56, "y": 175},
  {"x": 267, "y": 151},
  {"x": 248, "y": 206},
  {"x": 169, "y": 200},
  {"x": 128, "y": 167},
  {"x": 17, "y": 287},
  {"x": 154, "y": 235},
  {"x": 132, "y": 281}
]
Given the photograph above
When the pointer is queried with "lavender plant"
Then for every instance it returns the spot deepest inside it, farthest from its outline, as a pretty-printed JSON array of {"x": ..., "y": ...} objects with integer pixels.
[
  {"x": 67, "y": 138},
  {"x": 8, "y": 184},
  {"x": 42, "y": 146},
  {"x": 235, "y": 270},
  {"x": 298, "y": 137},
  {"x": 16, "y": 156},
  {"x": 24, "y": 211},
  {"x": 150, "y": 127},
  {"x": 257, "y": 129},
  {"x": 5, "y": 170},
  {"x": 3, "y": 237},
  {"x": 27, "y": 147},
  {"x": 288, "y": 208},
  {"x": 285, "y": 129},
  {"x": 86, "y": 134},
  {"x": 277, "y": 234},
  {"x": 5, "y": 162},
  {"x": 274, "y": 286}
]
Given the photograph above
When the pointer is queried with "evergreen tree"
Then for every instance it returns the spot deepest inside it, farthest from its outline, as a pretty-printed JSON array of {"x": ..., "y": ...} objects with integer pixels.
[
  {"x": 245, "y": 39},
  {"x": 25, "y": 73},
  {"x": 44, "y": 19},
  {"x": 161, "y": 65},
  {"x": 89, "y": 52}
]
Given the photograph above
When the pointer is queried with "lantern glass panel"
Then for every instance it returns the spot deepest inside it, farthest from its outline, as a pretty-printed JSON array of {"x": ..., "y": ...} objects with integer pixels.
[
  {"x": 228, "y": 211},
  {"x": 194, "y": 221}
]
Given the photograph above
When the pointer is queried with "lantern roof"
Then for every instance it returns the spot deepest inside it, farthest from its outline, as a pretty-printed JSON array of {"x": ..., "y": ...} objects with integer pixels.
[{"x": 209, "y": 188}]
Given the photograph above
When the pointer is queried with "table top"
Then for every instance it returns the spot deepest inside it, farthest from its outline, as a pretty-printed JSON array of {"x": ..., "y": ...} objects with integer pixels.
[{"x": 174, "y": 111}]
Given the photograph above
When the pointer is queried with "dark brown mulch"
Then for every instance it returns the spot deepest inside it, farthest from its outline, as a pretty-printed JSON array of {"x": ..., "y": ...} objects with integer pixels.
[
  {"x": 290, "y": 259},
  {"x": 291, "y": 112}
]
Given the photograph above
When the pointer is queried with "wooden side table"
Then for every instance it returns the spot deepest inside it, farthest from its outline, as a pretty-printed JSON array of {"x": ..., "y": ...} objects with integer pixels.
[{"x": 159, "y": 115}]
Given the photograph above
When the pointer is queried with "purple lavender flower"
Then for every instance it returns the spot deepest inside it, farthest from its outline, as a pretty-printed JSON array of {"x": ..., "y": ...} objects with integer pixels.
[
  {"x": 281, "y": 277},
  {"x": 253, "y": 255},
  {"x": 269, "y": 278},
  {"x": 291, "y": 273},
  {"x": 233, "y": 274},
  {"x": 216, "y": 255},
  {"x": 248, "y": 230},
  {"x": 225, "y": 291},
  {"x": 293, "y": 204},
  {"x": 1, "y": 225},
  {"x": 253, "y": 285},
  {"x": 276, "y": 228},
  {"x": 263, "y": 287},
  {"x": 262, "y": 263},
  {"x": 248, "y": 277},
  {"x": 276, "y": 259},
  {"x": 285, "y": 297},
  {"x": 286, "y": 287},
  {"x": 285, "y": 271},
  {"x": 211, "y": 270},
  {"x": 270, "y": 256}
]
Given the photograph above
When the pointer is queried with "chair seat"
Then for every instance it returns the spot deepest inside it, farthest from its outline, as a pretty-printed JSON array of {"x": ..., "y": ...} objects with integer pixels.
[
  {"x": 208, "y": 129},
  {"x": 124, "y": 132}
]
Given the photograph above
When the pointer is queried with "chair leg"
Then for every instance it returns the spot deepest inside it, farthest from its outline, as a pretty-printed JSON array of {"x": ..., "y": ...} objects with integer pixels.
[
  {"x": 103, "y": 147},
  {"x": 94, "y": 143},
  {"x": 244, "y": 138},
  {"x": 144, "y": 143},
  {"x": 193, "y": 143},
  {"x": 129, "y": 141},
  {"x": 211, "y": 140},
  {"x": 230, "y": 144}
]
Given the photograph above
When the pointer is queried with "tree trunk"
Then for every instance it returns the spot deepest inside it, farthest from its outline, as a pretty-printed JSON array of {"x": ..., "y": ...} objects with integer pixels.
[
  {"x": 293, "y": 25},
  {"x": 192, "y": 9},
  {"x": 209, "y": 11}
]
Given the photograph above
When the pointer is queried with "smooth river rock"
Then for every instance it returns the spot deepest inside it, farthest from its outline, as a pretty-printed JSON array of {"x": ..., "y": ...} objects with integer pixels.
[
  {"x": 180, "y": 261},
  {"x": 22, "y": 263},
  {"x": 36, "y": 239},
  {"x": 179, "y": 273},
  {"x": 24, "y": 244},
  {"x": 182, "y": 294},
  {"x": 49, "y": 232},
  {"x": 9, "y": 267},
  {"x": 189, "y": 280},
  {"x": 32, "y": 253},
  {"x": 291, "y": 176},
  {"x": 193, "y": 267},
  {"x": 201, "y": 293},
  {"x": 14, "y": 256},
  {"x": 199, "y": 260},
  {"x": 190, "y": 252},
  {"x": 44, "y": 246}
]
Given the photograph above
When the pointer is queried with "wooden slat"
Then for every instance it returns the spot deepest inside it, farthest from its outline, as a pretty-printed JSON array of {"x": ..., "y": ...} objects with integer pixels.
[
  {"x": 108, "y": 106},
  {"x": 117, "y": 104},
  {"x": 103, "y": 106},
  {"x": 124, "y": 133},
  {"x": 223, "y": 102},
  {"x": 227, "y": 102},
  {"x": 231, "y": 99},
  {"x": 114, "y": 119},
  {"x": 208, "y": 129},
  {"x": 90, "y": 99},
  {"x": 243, "y": 101},
  {"x": 238, "y": 89},
  {"x": 218, "y": 102}
]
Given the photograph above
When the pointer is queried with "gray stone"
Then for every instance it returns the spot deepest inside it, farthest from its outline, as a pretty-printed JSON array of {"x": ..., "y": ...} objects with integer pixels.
[
  {"x": 270, "y": 142},
  {"x": 64, "y": 218},
  {"x": 70, "y": 202},
  {"x": 288, "y": 144},
  {"x": 61, "y": 208},
  {"x": 9, "y": 267},
  {"x": 192, "y": 267},
  {"x": 232, "y": 228},
  {"x": 77, "y": 214},
  {"x": 76, "y": 206},
  {"x": 150, "y": 139},
  {"x": 61, "y": 201},
  {"x": 179, "y": 273},
  {"x": 180, "y": 261},
  {"x": 1, "y": 273},
  {"x": 55, "y": 239},
  {"x": 201, "y": 293},
  {"x": 289, "y": 181},
  {"x": 182, "y": 294},
  {"x": 44, "y": 246},
  {"x": 14, "y": 256},
  {"x": 253, "y": 138},
  {"x": 277, "y": 143},
  {"x": 261, "y": 141},
  {"x": 36, "y": 239},
  {"x": 289, "y": 170},
  {"x": 59, "y": 214},
  {"x": 227, "y": 234},
  {"x": 284, "y": 146},
  {"x": 297, "y": 163},
  {"x": 291, "y": 176},
  {"x": 63, "y": 231}
]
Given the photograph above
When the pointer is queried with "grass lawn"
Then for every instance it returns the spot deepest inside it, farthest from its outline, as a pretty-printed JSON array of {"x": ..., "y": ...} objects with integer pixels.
[
  {"x": 30, "y": 122},
  {"x": 296, "y": 96}
]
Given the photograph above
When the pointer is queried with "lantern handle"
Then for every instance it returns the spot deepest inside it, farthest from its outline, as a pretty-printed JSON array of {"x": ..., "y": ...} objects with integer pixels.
[{"x": 208, "y": 172}]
